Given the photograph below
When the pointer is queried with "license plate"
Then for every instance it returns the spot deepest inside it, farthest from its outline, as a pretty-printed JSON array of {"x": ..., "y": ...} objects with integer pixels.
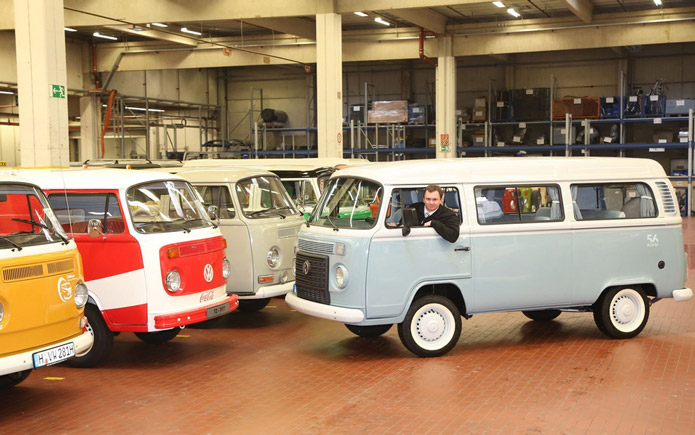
[
  {"x": 54, "y": 355},
  {"x": 217, "y": 311}
]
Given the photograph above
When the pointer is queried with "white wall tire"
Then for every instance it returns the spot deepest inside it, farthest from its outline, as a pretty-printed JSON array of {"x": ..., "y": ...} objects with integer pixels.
[
  {"x": 622, "y": 312},
  {"x": 431, "y": 327}
]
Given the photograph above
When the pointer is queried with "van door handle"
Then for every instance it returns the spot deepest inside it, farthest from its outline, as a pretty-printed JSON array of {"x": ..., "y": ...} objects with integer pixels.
[{"x": 463, "y": 248}]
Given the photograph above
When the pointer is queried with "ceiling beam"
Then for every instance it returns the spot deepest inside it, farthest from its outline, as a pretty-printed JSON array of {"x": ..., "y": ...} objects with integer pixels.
[
  {"x": 426, "y": 18},
  {"x": 583, "y": 9},
  {"x": 155, "y": 34},
  {"x": 293, "y": 26}
]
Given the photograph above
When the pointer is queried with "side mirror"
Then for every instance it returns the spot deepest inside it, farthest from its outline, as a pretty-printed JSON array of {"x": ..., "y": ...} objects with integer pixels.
[
  {"x": 213, "y": 211},
  {"x": 405, "y": 231},
  {"x": 94, "y": 228}
]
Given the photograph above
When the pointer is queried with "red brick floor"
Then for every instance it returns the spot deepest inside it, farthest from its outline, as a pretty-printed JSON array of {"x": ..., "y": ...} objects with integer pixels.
[{"x": 278, "y": 371}]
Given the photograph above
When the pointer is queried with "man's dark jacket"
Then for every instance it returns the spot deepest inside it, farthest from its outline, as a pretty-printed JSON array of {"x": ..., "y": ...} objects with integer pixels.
[{"x": 444, "y": 221}]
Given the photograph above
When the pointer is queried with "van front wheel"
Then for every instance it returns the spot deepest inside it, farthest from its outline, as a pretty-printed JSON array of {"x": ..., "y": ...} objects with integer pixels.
[
  {"x": 252, "y": 305},
  {"x": 158, "y": 337},
  {"x": 103, "y": 339},
  {"x": 622, "y": 312},
  {"x": 431, "y": 327},
  {"x": 369, "y": 331},
  {"x": 9, "y": 381}
]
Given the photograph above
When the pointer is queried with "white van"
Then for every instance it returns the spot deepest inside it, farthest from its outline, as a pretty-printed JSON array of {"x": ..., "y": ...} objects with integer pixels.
[
  {"x": 603, "y": 236},
  {"x": 259, "y": 222}
]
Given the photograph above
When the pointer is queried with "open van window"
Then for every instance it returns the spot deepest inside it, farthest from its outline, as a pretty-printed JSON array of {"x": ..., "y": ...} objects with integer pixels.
[
  {"x": 613, "y": 201},
  {"x": 514, "y": 204},
  {"x": 75, "y": 210},
  {"x": 348, "y": 203},
  {"x": 264, "y": 197},
  {"x": 166, "y": 206},
  {"x": 406, "y": 197},
  {"x": 27, "y": 219}
]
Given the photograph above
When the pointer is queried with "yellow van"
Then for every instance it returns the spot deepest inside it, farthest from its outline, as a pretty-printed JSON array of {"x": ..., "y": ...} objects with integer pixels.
[{"x": 42, "y": 294}]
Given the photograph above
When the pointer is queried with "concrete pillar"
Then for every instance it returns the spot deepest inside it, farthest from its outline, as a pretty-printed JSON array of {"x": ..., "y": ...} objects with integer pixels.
[
  {"x": 329, "y": 71},
  {"x": 90, "y": 127},
  {"x": 446, "y": 99},
  {"x": 42, "y": 82}
]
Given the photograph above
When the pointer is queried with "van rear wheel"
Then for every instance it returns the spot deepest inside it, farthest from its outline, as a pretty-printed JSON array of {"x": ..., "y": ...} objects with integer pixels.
[
  {"x": 431, "y": 327},
  {"x": 622, "y": 312},
  {"x": 542, "y": 315},
  {"x": 369, "y": 331},
  {"x": 9, "y": 381},
  {"x": 103, "y": 339},
  {"x": 158, "y": 337},
  {"x": 252, "y": 305}
]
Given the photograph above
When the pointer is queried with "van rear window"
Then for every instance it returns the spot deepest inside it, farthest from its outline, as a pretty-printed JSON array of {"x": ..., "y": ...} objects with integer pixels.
[
  {"x": 612, "y": 201},
  {"x": 516, "y": 204}
]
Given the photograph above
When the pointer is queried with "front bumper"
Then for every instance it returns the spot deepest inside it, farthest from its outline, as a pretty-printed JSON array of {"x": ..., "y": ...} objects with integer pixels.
[
  {"x": 682, "y": 294},
  {"x": 345, "y": 315},
  {"x": 25, "y": 360},
  {"x": 270, "y": 291},
  {"x": 172, "y": 320}
]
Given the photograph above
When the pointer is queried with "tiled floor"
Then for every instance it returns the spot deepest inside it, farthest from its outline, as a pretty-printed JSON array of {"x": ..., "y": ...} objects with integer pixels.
[{"x": 278, "y": 371}]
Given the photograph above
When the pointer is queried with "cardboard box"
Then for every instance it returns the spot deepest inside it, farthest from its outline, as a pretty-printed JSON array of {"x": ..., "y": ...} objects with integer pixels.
[
  {"x": 480, "y": 110},
  {"x": 388, "y": 112}
]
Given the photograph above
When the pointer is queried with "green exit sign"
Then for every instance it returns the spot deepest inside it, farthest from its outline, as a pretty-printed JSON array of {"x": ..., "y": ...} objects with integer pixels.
[{"x": 57, "y": 91}]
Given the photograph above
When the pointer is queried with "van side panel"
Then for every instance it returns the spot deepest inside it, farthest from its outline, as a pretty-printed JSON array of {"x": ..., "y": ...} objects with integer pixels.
[
  {"x": 400, "y": 265},
  {"x": 519, "y": 266},
  {"x": 622, "y": 255},
  {"x": 239, "y": 254}
]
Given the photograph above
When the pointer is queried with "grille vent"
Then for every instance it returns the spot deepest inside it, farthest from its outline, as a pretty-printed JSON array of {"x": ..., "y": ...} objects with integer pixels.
[
  {"x": 286, "y": 232},
  {"x": 60, "y": 266},
  {"x": 22, "y": 272},
  {"x": 666, "y": 197},
  {"x": 315, "y": 247}
]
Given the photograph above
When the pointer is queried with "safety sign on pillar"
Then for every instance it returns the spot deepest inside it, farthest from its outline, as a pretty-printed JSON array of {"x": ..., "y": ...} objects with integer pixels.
[{"x": 444, "y": 142}]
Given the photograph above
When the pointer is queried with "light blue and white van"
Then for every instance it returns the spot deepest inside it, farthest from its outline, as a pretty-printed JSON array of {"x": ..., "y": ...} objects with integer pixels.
[{"x": 603, "y": 236}]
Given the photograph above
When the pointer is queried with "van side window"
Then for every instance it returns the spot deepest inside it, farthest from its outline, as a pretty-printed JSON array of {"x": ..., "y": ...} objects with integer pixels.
[
  {"x": 218, "y": 196},
  {"x": 401, "y": 198},
  {"x": 515, "y": 204},
  {"x": 612, "y": 201},
  {"x": 75, "y": 210}
]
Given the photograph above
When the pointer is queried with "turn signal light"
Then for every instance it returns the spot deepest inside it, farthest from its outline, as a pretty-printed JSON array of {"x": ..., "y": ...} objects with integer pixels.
[
  {"x": 224, "y": 243},
  {"x": 173, "y": 253},
  {"x": 264, "y": 279}
]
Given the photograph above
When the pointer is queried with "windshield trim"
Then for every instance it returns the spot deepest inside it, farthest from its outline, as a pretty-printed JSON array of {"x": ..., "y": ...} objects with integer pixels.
[{"x": 269, "y": 213}]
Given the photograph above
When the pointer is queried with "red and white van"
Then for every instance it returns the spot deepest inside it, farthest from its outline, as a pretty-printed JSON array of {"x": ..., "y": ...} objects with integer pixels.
[{"x": 153, "y": 259}]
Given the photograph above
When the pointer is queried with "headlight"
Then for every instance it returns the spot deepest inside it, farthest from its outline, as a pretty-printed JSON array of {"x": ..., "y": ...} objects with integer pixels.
[
  {"x": 341, "y": 276},
  {"x": 226, "y": 268},
  {"x": 173, "y": 281},
  {"x": 81, "y": 295},
  {"x": 273, "y": 256}
]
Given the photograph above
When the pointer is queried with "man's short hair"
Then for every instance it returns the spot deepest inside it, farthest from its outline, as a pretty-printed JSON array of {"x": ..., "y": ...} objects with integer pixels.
[{"x": 434, "y": 188}]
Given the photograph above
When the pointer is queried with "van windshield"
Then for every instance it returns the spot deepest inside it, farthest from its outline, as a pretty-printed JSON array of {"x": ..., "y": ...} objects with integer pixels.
[
  {"x": 348, "y": 203},
  {"x": 264, "y": 197},
  {"x": 166, "y": 206},
  {"x": 26, "y": 219}
]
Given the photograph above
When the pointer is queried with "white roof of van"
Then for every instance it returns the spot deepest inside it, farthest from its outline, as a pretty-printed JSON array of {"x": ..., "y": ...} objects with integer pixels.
[
  {"x": 269, "y": 164},
  {"x": 92, "y": 178},
  {"x": 12, "y": 177},
  {"x": 221, "y": 174},
  {"x": 507, "y": 169}
]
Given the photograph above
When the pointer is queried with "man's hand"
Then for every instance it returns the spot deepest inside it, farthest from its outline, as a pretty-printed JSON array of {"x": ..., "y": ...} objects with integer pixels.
[{"x": 427, "y": 224}]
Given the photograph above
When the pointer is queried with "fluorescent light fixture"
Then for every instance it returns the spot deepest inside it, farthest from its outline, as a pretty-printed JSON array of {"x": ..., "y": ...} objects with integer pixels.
[
  {"x": 498, "y": 4},
  {"x": 192, "y": 32},
  {"x": 159, "y": 24},
  {"x": 382, "y": 21},
  {"x": 99, "y": 35},
  {"x": 513, "y": 13},
  {"x": 7, "y": 92},
  {"x": 657, "y": 2},
  {"x": 361, "y": 14},
  {"x": 142, "y": 109},
  {"x": 70, "y": 29}
]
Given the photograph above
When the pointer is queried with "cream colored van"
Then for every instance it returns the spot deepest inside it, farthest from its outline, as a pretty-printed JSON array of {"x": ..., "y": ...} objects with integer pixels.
[{"x": 260, "y": 223}]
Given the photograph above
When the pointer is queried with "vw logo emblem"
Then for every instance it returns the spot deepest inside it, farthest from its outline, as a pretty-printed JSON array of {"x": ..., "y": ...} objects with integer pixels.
[
  {"x": 208, "y": 273},
  {"x": 306, "y": 267},
  {"x": 64, "y": 289}
]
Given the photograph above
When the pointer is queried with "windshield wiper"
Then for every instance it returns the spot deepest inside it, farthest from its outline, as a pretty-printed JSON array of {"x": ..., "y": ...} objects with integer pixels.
[
  {"x": 330, "y": 221},
  {"x": 42, "y": 225},
  {"x": 18, "y": 247}
]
